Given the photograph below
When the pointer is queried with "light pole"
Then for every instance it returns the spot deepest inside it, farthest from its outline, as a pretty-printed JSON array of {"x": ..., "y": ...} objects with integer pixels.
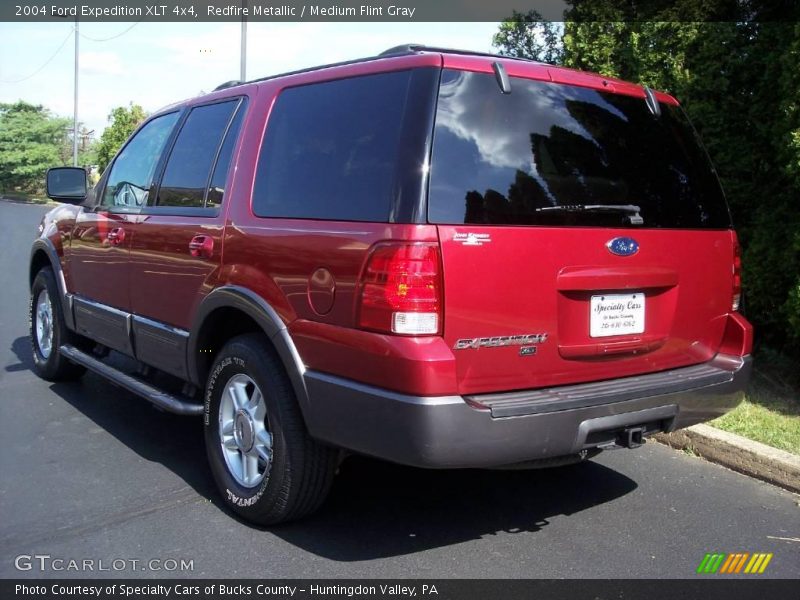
[
  {"x": 75, "y": 107},
  {"x": 243, "y": 49}
]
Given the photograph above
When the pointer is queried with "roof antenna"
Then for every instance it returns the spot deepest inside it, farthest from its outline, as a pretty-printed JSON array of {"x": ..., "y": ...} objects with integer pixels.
[
  {"x": 502, "y": 77},
  {"x": 652, "y": 102}
]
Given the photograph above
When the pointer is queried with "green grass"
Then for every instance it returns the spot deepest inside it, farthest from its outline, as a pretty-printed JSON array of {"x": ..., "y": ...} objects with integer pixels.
[
  {"x": 770, "y": 413},
  {"x": 24, "y": 197}
]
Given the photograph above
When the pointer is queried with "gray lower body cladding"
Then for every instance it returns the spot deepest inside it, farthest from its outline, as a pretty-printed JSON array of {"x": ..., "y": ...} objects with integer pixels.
[{"x": 450, "y": 432}]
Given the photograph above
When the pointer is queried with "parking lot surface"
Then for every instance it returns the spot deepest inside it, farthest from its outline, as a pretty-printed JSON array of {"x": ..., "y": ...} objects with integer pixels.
[{"x": 90, "y": 472}]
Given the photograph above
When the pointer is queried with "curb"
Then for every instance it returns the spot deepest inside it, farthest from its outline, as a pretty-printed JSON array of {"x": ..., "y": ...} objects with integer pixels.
[
  {"x": 49, "y": 203},
  {"x": 755, "y": 459}
]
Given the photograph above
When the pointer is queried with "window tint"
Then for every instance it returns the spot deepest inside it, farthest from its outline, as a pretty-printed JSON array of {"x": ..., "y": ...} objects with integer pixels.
[
  {"x": 520, "y": 158},
  {"x": 189, "y": 166},
  {"x": 330, "y": 150},
  {"x": 216, "y": 189},
  {"x": 132, "y": 172}
]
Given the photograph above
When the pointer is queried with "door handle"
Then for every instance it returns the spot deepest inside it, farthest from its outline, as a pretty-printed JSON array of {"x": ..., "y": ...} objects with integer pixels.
[
  {"x": 201, "y": 246},
  {"x": 116, "y": 236}
]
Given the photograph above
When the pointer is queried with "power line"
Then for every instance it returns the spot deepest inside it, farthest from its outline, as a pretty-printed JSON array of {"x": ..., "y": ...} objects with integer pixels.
[
  {"x": 113, "y": 37},
  {"x": 47, "y": 62}
]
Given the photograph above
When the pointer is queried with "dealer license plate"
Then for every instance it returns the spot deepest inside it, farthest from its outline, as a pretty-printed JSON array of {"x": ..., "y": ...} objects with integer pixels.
[{"x": 616, "y": 314}]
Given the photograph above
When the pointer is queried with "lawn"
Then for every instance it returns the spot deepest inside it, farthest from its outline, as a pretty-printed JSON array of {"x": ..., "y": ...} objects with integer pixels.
[
  {"x": 24, "y": 197},
  {"x": 771, "y": 412}
]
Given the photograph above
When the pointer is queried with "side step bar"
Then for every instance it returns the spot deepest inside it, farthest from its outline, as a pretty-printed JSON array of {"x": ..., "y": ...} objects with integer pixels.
[{"x": 160, "y": 398}]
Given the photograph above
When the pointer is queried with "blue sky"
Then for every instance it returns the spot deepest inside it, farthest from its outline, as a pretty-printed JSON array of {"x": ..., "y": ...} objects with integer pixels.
[{"x": 154, "y": 64}]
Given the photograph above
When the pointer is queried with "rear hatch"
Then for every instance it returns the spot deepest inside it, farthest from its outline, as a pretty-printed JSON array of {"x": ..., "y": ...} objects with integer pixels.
[{"x": 584, "y": 233}]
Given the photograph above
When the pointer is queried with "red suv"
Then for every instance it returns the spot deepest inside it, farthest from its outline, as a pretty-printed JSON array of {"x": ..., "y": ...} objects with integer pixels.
[{"x": 439, "y": 258}]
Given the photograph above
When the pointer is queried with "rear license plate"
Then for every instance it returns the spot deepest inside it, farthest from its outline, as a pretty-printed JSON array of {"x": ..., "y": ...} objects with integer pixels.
[{"x": 616, "y": 314}]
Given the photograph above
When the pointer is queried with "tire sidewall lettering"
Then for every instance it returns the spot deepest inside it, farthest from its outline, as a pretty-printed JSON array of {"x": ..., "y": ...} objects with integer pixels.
[
  {"x": 39, "y": 284},
  {"x": 240, "y": 365}
]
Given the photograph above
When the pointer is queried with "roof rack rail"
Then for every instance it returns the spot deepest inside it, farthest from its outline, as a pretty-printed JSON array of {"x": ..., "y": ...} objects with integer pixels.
[
  {"x": 402, "y": 50},
  {"x": 343, "y": 63},
  {"x": 228, "y": 84},
  {"x": 413, "y": 48}
]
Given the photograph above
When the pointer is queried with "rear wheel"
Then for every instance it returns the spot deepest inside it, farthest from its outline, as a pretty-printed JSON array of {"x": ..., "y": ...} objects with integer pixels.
[
  {"x": 48, "y": 331},
  {"x": 265, "y": 464}
]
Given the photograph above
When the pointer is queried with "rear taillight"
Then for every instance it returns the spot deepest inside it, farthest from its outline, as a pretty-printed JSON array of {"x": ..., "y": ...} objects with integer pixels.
[
  {"x": 401, "y": 289},
  {"x": 737, "y": 276}
]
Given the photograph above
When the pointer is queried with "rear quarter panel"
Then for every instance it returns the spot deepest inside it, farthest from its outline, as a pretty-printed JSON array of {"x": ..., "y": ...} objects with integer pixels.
[{"x": 277, "y": 258}]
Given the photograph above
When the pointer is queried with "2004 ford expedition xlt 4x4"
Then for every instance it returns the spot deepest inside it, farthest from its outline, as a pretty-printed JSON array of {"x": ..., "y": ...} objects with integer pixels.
[{"x": 439, "y": 258}]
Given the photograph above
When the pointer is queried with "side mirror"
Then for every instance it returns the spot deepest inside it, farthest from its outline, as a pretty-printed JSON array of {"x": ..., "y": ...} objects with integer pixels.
[{"x": 67, "y": 184}]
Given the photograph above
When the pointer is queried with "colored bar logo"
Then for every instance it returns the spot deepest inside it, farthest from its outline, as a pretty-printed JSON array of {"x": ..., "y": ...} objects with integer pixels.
[{"x": 737, "y": 563}]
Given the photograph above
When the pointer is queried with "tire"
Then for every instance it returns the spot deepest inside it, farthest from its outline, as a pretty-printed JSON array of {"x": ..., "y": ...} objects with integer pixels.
[
  {"x": 46, "y": 322},
  {"x": 292, "y": 473}
]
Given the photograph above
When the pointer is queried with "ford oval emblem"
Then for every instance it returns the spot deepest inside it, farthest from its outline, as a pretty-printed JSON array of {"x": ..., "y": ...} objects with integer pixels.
[{"x": 623, "y": 246}]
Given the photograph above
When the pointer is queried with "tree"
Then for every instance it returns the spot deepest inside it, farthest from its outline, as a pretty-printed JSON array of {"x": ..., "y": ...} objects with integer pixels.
[
  {"x": 791, "y": 110},
  {"x": 87, "y": 147},
  {"x": 87, "y": 155},
  {"x": 528, "y": 35},
  {"x": 124, "y": 121},
  {"x": 30, "y": 138}
]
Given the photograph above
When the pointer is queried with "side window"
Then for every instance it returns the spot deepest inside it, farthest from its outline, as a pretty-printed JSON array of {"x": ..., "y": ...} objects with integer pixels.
[
  {"x": 216, "y": 188},
  {"x": 186, "y": 176},
  {"x": 330, "y": 150},
  {"x": 132, "y": 172}
]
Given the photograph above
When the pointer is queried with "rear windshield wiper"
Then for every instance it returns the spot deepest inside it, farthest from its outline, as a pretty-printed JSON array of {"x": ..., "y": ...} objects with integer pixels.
[{"x": 629, "y": 209}]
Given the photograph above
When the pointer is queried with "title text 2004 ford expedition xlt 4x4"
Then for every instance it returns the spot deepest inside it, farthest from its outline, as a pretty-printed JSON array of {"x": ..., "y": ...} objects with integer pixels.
[{"x": 438, "y": 258}]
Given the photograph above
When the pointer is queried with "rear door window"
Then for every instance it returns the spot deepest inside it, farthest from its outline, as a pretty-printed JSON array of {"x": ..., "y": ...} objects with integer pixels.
[
  {"x": 186, "y": 178},
  {"x": 216, "y": 189},
  {"x": 551, "y": 154},
  {"x": 330, "y": 150}
]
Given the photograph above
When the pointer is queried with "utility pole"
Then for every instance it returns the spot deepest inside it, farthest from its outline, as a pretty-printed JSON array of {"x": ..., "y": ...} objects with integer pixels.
[
  {"x": 243, "y": 50},
  {"x": 75, "y": 113},
  {"x": 86, "y": 135}
]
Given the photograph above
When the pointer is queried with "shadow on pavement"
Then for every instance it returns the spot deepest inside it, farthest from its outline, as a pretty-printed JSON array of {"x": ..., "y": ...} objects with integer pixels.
[
  {"x": 171, "y": 440},
  {"x": 376, "y": 509},
  {"x": 21, "y": 347}
]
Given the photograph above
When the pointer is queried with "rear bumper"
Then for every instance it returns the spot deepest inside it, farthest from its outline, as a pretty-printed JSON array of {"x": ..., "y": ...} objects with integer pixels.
[{"x": 496, "y": 430}]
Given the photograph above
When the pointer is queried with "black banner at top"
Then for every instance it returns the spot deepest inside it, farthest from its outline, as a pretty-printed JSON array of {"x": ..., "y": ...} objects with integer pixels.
[
  {"x": 390, "y": 10},
  {"x": 399, "y": 589}
]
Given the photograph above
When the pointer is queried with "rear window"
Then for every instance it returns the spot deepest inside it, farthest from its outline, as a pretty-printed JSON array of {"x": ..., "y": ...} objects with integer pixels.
[
  {"x": 537, "y": 155},
  {"x": 330, "y": 150}
]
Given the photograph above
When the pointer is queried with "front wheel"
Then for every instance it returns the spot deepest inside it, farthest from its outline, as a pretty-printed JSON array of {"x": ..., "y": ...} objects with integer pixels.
[
  {"x": 267, "y": 467},
  {"x": 48, "y": 331}
]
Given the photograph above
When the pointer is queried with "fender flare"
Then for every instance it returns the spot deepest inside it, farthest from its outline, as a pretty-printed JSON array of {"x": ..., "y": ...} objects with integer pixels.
[
  {"x": 45, "y": 245},
  {"x": 258, "y": 309}
]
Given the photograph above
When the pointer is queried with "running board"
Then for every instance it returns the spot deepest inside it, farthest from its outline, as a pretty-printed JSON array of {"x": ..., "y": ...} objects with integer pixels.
[{"x": 160, "y": 398}]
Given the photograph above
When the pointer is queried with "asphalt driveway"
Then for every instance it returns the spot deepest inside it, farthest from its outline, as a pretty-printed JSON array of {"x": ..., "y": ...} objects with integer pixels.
[{"x": 88, "y": 471}]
